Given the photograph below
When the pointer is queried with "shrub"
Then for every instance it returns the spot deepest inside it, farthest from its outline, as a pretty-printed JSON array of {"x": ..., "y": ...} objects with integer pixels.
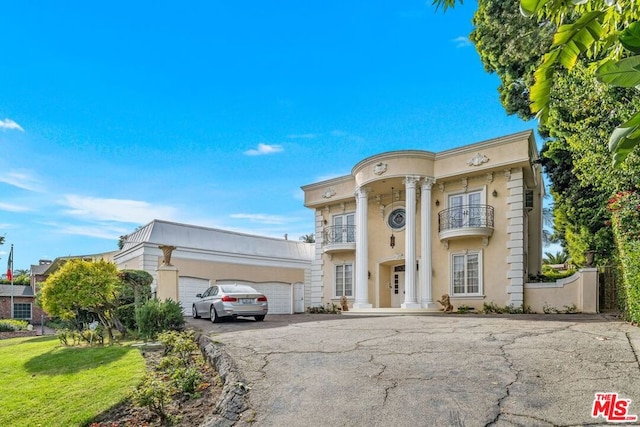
[
  {"x": 154, "y": 394},
  {"x": 625, "y": 219},
  {"x": 462, "y": 309},
  {"x": 154, "y": 317},
  {"x": 492, "y": 307},
  {"x": 127, "y": 315},
  {"x": 179, "y": 375},
  {"x": 12, "y": 325}
]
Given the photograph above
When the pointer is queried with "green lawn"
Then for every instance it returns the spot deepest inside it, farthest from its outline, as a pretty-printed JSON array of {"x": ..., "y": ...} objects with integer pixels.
[{"x": 46, "y": 384}]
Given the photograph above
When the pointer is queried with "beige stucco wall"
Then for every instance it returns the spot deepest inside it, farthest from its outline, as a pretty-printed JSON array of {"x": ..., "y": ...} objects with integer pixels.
[
  {"x": 229, "y": 271},
  {"x": 382, "y": 257},
  {"x": 505, "y": 168},
  {"x": 218, "y": 270},
  {"x": 580, "y": 290}
]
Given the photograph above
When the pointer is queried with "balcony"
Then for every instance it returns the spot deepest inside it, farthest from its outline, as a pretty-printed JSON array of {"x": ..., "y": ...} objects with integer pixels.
[
  {"x": 466, "y": 221},
  {"x": 339, "y": 238}
]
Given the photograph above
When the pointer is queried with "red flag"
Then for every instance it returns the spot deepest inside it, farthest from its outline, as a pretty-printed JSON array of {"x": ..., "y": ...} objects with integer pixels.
[{"x": 10, "y": 266}]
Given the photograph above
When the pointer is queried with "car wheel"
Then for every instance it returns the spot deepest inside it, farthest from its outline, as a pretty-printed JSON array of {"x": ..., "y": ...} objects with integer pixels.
[
  {"x": 194, "y": 312},
  {"x": 259, "y": 318},
  {"x": 214, "y": 315}
]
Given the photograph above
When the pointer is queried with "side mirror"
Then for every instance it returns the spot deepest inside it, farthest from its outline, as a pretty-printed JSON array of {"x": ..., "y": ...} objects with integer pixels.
[{"x": 198, "y": 295}]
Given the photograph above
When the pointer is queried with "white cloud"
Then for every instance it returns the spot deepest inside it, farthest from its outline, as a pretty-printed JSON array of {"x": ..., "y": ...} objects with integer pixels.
[
  {"x": 261, "y": 218},
  {"x": 12, "y": 208},
  {"x": 303, "y": 136},
  {"x": 100, "y": 231},
  {"x": 121, "y": 210},
  {"x": 21, "y": 180},
  {"x": 462, "y": 41},
  {"x": 10, "y": 124},
  {"x": 264, "y": 149}
]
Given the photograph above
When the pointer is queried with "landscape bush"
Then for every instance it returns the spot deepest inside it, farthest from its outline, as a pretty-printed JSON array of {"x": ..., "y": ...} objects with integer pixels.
[
  {"x": 154, "y": 317},
  {"x": 178, "y": 376},
  {"x": 625, "y": 220},
  {"x": 12, "y": 325}
]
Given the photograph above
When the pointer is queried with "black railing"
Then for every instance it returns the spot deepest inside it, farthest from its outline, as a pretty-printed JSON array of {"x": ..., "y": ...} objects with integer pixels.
[
  {"x": 465, "y": 216},
  {"x": 339, "y": 234}
]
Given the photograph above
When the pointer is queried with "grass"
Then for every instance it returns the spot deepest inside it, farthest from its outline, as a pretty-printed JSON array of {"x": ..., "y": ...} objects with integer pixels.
[{"x": 46, "y": 384}]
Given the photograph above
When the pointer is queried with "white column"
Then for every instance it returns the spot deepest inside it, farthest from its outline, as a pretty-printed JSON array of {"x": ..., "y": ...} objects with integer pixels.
[
  {"x": 426, "y": 297},
  {"x": 362, "y": 252},
  {"x": 410, "y": 245}
]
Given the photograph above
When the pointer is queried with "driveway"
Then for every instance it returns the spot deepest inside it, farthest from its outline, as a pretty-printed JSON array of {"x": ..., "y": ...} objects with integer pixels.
[{"x": 446, "y": 370}]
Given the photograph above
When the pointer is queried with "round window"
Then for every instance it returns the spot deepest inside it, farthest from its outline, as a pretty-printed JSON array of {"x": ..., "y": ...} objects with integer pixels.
[{"x": 397, "y": 219}]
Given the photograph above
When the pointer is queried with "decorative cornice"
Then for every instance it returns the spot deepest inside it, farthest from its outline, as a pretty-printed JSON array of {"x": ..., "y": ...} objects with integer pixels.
[
  {"x": 329, "y": 193},
  {"x": 489, "y": 177},
  {"x": 477, "y": 160},
  {"x": 380, "y": 168}
]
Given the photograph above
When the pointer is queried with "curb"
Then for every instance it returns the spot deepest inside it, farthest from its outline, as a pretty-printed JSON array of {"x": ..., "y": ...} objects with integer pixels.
[{"x": 233, "y": 400}]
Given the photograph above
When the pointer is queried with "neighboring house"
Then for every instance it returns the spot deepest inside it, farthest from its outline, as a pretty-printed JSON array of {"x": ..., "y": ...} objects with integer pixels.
[
  {"x": 406, "y": 227},
  {"x": 24, "y": 307},
  {"x": 37, "y": 273},
  {"x": 204, "y": 256}
]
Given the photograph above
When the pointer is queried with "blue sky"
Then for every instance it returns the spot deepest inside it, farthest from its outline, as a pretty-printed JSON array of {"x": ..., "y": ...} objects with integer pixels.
[{"x": 215, "y": 113}]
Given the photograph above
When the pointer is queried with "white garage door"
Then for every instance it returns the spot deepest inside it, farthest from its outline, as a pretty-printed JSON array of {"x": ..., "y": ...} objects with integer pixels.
[
  {"x": 278, "y": 294},
  {"x": 188, "y": 288}
]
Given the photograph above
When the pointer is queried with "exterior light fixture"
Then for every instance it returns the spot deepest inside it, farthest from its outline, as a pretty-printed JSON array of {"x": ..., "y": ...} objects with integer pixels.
[
  {"x": 495, "y": 193},
  {"x": 392, "y": 240},
  {"x": 437, "y": 202}
]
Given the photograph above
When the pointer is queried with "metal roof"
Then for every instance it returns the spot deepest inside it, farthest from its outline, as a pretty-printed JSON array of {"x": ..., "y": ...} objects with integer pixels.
[{"x": 185, "y": 236}]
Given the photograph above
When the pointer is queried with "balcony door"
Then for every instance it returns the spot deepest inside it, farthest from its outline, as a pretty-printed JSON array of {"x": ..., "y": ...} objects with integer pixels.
[
  {"x": 465, "y": 210},
  {"x": 344, "y": 228}
]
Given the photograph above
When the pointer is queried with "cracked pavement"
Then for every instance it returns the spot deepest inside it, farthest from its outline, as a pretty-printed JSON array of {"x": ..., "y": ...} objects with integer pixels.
[{"x": 447, "y": 370}]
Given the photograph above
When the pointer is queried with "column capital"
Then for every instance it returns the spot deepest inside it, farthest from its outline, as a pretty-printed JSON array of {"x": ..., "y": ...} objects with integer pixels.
[
  {"x": 411, "y": 180},
  {"x": 428, "y": 182},
  {"x": 362, "y": 192}
]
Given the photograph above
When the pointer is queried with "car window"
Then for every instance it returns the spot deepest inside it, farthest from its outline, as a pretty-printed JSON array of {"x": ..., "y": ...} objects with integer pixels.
[
  {"x": 214, "y": 290},
  {"x": 207, "y": 293},
  {"x": 234, "y": 289}
]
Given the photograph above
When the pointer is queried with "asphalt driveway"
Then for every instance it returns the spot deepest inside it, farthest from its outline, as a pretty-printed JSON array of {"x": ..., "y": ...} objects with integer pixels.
[{"x": 447, "y": 370}]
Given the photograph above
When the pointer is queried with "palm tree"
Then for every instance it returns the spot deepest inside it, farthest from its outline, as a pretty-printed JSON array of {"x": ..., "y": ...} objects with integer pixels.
[
  {"x": 557, "y": 258},
  {"x": 308, "y": 238},
  {"x": 547, "y": 220}
]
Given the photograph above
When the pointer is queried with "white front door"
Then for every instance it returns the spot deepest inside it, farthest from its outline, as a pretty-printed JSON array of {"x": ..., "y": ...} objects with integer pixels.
[
  {"x": 298, "y": 298},
  {"x": 397, "y": 286}
]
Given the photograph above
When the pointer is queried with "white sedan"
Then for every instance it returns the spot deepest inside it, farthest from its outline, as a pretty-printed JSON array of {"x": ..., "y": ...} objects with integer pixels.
[{"x": 230, "y": 301}]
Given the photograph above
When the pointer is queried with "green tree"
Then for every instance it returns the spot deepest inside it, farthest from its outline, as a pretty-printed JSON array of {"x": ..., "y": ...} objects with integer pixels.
[
  {"x": 555, "y": 258},
  {"x": 511, "y": 46},
  {"x": 605, "y": 33},
  {"x": 308, "y": 238},
  {"x": 84, "y": 285}
]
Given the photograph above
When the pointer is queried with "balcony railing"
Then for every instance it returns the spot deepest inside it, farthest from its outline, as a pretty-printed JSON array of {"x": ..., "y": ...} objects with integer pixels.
[
  {"x": 339, "y": 238},
  {"x": 340, "y": 234},
  {"x": 466, "y": 220}
]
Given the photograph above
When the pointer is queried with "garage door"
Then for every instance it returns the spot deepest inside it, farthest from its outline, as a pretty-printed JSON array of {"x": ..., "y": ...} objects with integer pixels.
[
  {"x": 278, "y": 294},
  {"x": 188, "y": 288}
]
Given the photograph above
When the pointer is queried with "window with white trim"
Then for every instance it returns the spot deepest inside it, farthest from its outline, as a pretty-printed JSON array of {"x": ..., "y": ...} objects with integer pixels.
[
  {"x": 466, "y": 209},
  {"x": 344, "y": 228},
  {"x": 344, "y": 280},
  {"x": 22, "y": 311},
  {"x": 466, "y": 274}
]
